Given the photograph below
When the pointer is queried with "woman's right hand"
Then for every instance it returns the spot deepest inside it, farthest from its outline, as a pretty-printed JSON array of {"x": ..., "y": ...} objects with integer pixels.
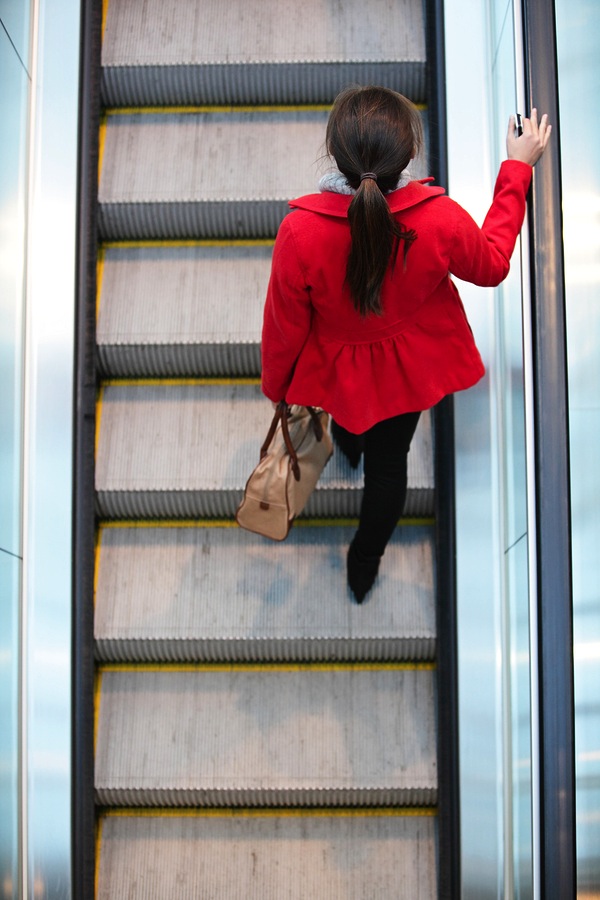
[{"x": 529, "y": 146}]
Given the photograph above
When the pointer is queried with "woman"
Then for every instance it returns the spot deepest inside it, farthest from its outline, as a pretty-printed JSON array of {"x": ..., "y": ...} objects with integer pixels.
[{"x": 361, "y": 316}]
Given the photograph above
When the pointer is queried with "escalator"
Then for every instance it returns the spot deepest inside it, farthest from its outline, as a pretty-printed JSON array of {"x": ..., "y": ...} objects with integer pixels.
[{"x": 256, "y": 733}]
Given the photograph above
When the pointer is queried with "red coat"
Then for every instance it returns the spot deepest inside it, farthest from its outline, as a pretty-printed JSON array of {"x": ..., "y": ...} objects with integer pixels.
[{"x": 318, "y": 351}]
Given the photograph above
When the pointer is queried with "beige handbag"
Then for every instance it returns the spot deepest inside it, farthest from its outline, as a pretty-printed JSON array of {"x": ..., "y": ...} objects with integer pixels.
[{"x": 292, "y": 457}]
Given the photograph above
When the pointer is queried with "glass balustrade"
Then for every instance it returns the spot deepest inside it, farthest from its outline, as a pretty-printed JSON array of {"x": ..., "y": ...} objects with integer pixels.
[
  {"x": 578, "y": 26},
  {"x": 39, "y": 70},
  {"x": 493, "y": 539}
]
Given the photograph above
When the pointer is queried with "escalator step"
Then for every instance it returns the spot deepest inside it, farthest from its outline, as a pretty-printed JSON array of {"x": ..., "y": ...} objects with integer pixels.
[
  {"x": 208, "y": 174},
  {"x": 267, "y": 857},
  {"x": 217, "y": 174},
  {"x": 221, "y": 594},
  {"x": 182, "y": 310},
  {"x": 186, "y": 451},
  {"x": 266, "y": 736}
]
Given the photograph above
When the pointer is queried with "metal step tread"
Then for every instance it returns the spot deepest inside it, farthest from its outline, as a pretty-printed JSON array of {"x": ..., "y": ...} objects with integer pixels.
[
  {"x": 267, "y": 857},
  {"x": 210, "y": 156},
  {"x": 213, "y": 174},
  {"x": 177, "y": 310},
  {"x": 218, "y": 593},
  {"x": 187, "y": 450},
  {"x": 242, "y": 52},
  {"x": 264, "y": 735}
]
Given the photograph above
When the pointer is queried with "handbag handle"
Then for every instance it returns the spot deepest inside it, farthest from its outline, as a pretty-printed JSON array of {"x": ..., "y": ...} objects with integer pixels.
[{"x": 281, "y": 415}]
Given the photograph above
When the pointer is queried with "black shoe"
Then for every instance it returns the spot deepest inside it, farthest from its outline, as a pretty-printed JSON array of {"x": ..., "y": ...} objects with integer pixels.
[
  {"x": 362, "y": 572},
  {"x": 351, "y": 445}
]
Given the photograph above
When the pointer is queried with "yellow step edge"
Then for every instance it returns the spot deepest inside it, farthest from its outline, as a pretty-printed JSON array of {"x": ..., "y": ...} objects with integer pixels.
[
  {"x": 226, "y": 108},
  {"x": 405, "y": 521},
  {"x": 405, "y": 666},
  {"x": 231, "y": 523},
  {"x": 97, "y": 548},
  {"x": 98, "y": 848},
  {"x": 100, "y": 260},
  {"x": 168, "y": 523},
  {"x": 99, "y": 407},
  {"x": 101, "y": 145},
  {"x": 215, "y": 108},
  {"x": 97, "y": 699},
  {"x": 198, "y": 812},
  {"x": 177, "y": 243},
  {"x": 104, "y": 16},
  {"x": 178, "y": 382}
]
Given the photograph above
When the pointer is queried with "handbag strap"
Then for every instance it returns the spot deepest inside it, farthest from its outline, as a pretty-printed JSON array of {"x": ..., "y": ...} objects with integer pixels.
[
  {"x": 272, "y": 427},
  {"x": 288, "y": 442},
  {"x": 281, "y": 413},
  {"x": 317, "y": 424}
]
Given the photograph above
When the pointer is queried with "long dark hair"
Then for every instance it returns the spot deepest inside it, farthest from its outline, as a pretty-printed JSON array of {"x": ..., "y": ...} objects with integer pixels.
[{"x": 372, "y": 130}]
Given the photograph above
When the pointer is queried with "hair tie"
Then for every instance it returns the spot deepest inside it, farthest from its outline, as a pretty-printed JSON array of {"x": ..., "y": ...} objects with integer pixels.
[{"x": 368, "y": 175}]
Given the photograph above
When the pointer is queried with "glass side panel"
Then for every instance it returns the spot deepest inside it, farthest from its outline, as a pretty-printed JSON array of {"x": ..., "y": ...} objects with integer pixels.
[
  {"x": 49, "y": 434},
  {"x": 578, "y": 27},
  {"x": 14, "y": 15},
  {"x": 491, "y": 489},
  {"x": 10, "y": 572},
  {"x": 13, "y": 122},
  {"x": 514, "y": 537}
]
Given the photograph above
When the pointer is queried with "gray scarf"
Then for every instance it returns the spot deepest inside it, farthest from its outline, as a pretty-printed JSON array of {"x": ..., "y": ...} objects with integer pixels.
[{"x": 335, "y": 182}]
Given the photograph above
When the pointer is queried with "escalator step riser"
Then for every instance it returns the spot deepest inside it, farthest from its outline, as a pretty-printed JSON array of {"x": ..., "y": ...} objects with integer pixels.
[
  {"x": 297, "y": 650},
  {"x": 220, "y": 504},
  {"x": 179, "y": 360},
  {"x": 174, "y": 220},
  {"x": 256, "y": 797},
  {"x": 275, "y": 83}
]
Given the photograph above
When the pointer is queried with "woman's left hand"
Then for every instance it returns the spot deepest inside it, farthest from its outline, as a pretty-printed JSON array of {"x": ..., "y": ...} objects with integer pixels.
[{"x": 530, "y": 145}]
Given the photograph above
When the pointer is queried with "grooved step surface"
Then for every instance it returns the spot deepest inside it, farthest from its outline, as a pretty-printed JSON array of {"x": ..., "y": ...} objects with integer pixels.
[
  {"x": 327, "y": 857},
  {"x": 217, "y": 174},
  {"x": 188, "y": 450},
  {"x": 253, "y": 51},
  {"x": 224, "y": 594},
  {"x": 182, "y": 310},
  {"x": 316, "y": 736},
  {"x": 206, "y": 174}
]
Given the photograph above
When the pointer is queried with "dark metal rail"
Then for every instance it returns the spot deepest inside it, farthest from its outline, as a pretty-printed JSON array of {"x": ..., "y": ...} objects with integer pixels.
[
  {"x": 82, "y": 774},
  {"x": 553, "y": 512},
  {"x": 447, "y": 648}
]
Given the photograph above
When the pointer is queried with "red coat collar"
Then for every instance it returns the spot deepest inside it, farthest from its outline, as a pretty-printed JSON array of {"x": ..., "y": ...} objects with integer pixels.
[{"x": 331, "y": 204}]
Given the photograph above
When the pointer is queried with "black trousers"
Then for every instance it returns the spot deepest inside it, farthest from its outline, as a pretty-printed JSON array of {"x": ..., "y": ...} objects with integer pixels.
[{"x": 386, "y": 447}]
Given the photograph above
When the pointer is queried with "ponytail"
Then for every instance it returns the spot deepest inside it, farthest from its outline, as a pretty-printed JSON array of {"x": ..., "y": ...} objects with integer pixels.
[
  {"x": 372, "y": 134},
  {"x": 376, "y": 238}
]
